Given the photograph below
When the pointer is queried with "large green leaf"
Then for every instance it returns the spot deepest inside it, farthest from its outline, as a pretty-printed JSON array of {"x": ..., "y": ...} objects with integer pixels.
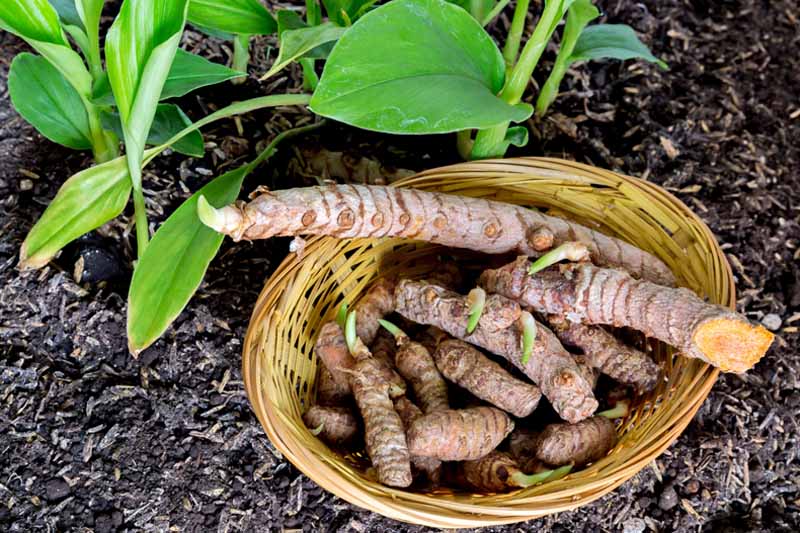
[
  {"x": 175, "y": 262},
  {"x": 298, "y": 43},
  {"x": 86, "y": 201},
  {"x": 169, "y": 120},
  {"x": 614, "y": 41},
  {"x": 37, "y": 22},
  {"x": 187, "y": 73},
  {"x": 190, "y": 72},
  {"x": 415, "y": 66},
  {"x": 234, "y": 16},
  {"x": 45, "y": 99}
]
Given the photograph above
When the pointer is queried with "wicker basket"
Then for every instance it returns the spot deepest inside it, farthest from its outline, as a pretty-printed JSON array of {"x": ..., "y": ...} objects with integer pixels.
[{"x": 280, "y": 368}]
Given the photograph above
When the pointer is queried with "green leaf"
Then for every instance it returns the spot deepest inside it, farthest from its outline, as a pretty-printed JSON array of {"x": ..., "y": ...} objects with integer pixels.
[
  {"x": 345, "y": 12},
  {"x": 234, "y": 16},
  {"x": 71, "y": 214},
  {"x": 175, "y": 262},
  {"x": 297, "y": 43},
  {"x": 34, "y": 20},
  {"x": 517, "y": 136},
  {"x": 415, "y": 66},
  {"x": 37, "y": 23},
  {"x": 90, "y": 12},
  {"x": 190, "y": 71},
  {"x": 67, "y": 12},
  {"x": 614, "y": 41},
  {"x": 86, "y": 201},
  {"x": 45, "y": 99},
  {"x": 140, "y": 47},
  {"x": 169, "y": 120},
  {"x": 290, "y": 20},
  {"x": 187, "y": 73},
  {"x": 217, "y": 34}
]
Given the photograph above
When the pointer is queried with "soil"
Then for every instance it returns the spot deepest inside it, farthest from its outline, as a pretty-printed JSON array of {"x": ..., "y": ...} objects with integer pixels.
[{"x": 93, "y": 440}]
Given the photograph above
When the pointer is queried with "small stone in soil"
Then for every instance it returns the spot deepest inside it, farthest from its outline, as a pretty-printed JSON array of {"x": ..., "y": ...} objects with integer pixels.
[
  {"x": 634, "y": 525},
  {"x": 668, "y": 499},
  {"x": 56, "y": 489},
  {"x": 772, "y": 322}
]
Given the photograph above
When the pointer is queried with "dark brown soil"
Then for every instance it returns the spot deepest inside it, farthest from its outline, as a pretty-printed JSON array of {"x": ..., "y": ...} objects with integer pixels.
[{"x": 92, "y": 440}]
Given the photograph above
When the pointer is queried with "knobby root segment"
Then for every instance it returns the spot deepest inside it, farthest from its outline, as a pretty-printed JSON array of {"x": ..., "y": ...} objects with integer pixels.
[
  {"x": 459, "y": 435},
  {"x": 589, "y": 373},
  {"x": 467, "y": 367},
  {"x": 430, "y": 467},
  {"x": 550, "y": 366},
  {"x": 415, "y": 364},
  {"x": 495, "y": 472},
  {"x": 334, "y": 425},
  {"x": 581, "y": 443},
  {"x": 592, "y": 295},
  {"x": 571, "y": 251},
  {"x": 384, "y": 433},
  {"x": 350, "y": 211},
  {"x": 603, "y": 351},
  {"x": 522, "y": 445},
  {"x": 498, "y": 471},
  {"x": 331, "y": 348},
  {"x": 329, "y": 391},
  {"x": 376, "y": 303}
]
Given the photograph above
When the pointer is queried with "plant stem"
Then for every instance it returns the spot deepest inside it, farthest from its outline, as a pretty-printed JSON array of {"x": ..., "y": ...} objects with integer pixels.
[
  {"x": 464, "y": 143},
  {"x": 140, "y": 219},
  {"x": 476, "y": 9},
  {"x": 241, "y": 55},
  {"x": 105, "y": 145},
  {"x": 310, "y": 78},
  {"x": 313, "y": 13},
  {"x": 498, "y": 7},
  {"x": 489, "y": 142},
  {"x": 511, "y": 47}
]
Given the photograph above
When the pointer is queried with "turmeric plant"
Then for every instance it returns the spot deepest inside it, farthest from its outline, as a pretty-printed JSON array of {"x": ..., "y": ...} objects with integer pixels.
[
  {"x": 603, "y": 351},
  {"x": 415, "y": 364},
  {"x": 352, "y": 211},
  {"x": 459, "y": 435},
  {"x": 498, "y": 472},
  {"x": 581, "y": 443},
  {"x": 384, "y": 433},
  {"x": 464, "y": 365},
  {"x": 549, "y": 366},
  {"x": 430, "y": 467},
  {"x": 335, "y": 425},
  {"x": 593, "y": 295}
]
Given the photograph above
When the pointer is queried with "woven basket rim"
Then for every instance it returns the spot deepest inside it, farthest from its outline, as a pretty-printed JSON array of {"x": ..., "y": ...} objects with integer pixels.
[{"x": 432, "y": 510}]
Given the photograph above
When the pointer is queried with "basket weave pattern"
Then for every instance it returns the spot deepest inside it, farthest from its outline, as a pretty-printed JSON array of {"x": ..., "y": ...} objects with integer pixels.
[{"x": 279, "y": 366}]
